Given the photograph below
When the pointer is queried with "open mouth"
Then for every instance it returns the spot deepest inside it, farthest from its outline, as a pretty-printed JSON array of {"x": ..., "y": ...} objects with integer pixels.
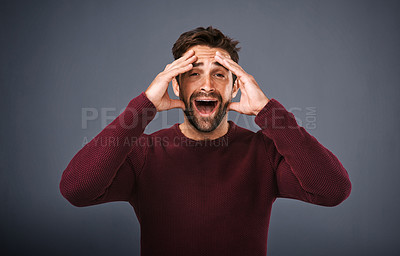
[{"x": 206, "y": 106}]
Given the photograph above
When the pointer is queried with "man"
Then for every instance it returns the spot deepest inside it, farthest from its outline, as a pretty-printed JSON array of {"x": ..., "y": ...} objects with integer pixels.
[{"x": 206, "y": 186}]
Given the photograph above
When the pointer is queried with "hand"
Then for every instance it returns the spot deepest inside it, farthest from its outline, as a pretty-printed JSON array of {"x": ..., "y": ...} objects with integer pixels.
[
  {"x": 252, "y": 98},
  {"x": 157, "y": 92}
]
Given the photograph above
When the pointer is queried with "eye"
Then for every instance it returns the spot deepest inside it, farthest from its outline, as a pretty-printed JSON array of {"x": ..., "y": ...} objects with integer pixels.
[
  {"x": 220, "y": 75},
  {"x": 193, "y": 74}
]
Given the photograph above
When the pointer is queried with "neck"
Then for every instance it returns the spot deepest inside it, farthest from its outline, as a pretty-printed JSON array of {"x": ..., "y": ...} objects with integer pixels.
[{"x": 192, "y": 133}]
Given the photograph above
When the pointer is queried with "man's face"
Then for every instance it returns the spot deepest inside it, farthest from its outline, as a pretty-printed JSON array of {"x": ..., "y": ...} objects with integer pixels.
[{"x": 206, "y": 89}]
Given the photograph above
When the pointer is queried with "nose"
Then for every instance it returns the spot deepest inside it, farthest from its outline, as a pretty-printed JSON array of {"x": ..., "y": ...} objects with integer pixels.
[{"x": 208, "y": 85}]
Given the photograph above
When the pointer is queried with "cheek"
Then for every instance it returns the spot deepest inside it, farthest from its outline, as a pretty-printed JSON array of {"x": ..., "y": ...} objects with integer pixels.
[
  {"x": 189, "y": 87},
  {"x": 226, "y": 93},
  {"x": 185, "y": 91}
]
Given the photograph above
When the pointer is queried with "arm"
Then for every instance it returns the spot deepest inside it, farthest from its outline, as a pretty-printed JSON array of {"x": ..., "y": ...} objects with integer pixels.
[
  {"x": 304, "y": 168},
  {"x": 101, "y": 171}
]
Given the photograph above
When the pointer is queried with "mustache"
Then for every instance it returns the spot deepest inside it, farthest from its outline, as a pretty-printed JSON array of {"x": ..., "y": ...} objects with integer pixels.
[{"x": 214, "y": 95}]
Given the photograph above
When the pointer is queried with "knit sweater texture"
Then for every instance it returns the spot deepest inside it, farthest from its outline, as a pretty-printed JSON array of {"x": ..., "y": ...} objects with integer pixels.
[{"x": 204, "y": 198}]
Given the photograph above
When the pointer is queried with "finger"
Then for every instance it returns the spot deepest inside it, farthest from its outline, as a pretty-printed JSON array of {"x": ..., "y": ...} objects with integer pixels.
[
  {"x": 231, "y": 65},
  {"x": 223, "y": 55},
  {"x": 166, "y": 77},
  {"x": 187, "y": 61},
  {"x": 228, "y": 58},
  {"x": 187, "y": 55},
  {"x": 173, "y": 65},
  {"x": 235, "y": 106},
  {"x": 242, "y": 75},
  {"x": 239, "y": 73},
  {"x": 177, "y": 104},
  {"x": 178, "y": 70}
]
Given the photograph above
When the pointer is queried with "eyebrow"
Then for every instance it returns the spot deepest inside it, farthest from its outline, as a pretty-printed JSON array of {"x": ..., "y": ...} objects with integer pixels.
[{"x": 196, "y": 64}]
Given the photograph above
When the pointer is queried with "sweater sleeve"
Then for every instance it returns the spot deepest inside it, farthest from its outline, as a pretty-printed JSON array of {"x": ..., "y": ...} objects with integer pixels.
[
  {"x": 304, "y": 169},
  {"x": 102, "y": 171}
]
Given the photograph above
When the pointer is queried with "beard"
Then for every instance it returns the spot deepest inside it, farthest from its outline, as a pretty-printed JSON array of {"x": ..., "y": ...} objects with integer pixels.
[{"x": 204, "y": 123}]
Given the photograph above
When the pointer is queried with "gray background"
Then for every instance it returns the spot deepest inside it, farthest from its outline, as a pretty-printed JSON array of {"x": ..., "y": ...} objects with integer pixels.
[{"x": 61, "y": 57}]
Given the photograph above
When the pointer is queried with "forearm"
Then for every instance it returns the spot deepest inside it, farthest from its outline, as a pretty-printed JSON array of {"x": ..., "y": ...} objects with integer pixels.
[
  {"x": 318, "y": 171},
  {"x": 93, "y": 169}
]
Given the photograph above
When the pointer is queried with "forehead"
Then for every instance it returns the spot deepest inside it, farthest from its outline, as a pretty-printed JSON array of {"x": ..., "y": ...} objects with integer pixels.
[{"x": 205, "y": 53}]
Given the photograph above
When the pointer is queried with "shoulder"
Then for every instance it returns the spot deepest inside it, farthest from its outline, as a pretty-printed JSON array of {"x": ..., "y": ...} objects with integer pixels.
[
  {"x": 244, "y": 134},
  {"x": 248, "y": 136}
]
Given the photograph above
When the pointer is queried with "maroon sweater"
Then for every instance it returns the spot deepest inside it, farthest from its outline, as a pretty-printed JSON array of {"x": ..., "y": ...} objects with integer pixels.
[{"x": 203, "y": 198}]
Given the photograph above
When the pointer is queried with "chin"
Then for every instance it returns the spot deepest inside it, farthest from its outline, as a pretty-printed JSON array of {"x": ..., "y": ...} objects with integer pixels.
[
  {"x": 205, "y": 112},
  {"x": 209, "y": 123}
]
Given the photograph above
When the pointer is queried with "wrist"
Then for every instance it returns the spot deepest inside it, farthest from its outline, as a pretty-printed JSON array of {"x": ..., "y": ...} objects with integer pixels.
[
  {"x": 262, "y": 105},
  {"x": 150, "y": 98}
]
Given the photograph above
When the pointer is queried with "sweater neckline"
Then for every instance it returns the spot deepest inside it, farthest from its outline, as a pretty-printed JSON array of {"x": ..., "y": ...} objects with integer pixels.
[{"x": 222, "y": 141}]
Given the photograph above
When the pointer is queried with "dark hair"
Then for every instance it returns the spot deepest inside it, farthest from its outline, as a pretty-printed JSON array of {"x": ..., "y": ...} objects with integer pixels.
[{"x": 210, "y": 37}]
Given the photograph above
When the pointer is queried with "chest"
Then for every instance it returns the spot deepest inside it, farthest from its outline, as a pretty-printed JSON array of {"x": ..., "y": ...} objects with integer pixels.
[{"x": 206, "y": 182}]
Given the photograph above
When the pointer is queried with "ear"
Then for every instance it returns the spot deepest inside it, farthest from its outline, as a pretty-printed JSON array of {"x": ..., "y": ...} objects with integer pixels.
[
  {"x": 235, "y": 88},
  {"x": 175, "y": 86}
]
